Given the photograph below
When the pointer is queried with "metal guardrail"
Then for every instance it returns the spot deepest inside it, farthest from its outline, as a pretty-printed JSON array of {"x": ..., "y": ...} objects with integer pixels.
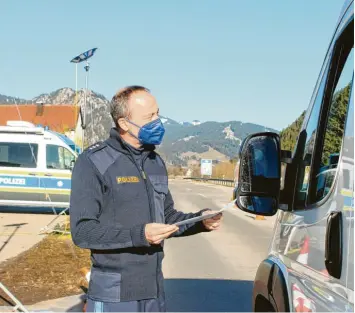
[{"x": 216, "y": 181}]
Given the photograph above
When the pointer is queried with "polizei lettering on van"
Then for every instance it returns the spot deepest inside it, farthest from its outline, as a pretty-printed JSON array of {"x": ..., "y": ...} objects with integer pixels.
[{"x": 12, "y": 181}]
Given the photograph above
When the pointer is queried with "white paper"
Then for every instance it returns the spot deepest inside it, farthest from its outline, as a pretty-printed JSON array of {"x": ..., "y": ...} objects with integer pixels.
[{"x": 199, "y": 218}]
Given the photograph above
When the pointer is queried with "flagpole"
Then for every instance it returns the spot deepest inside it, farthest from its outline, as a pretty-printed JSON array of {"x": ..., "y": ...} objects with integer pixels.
[
  {"x": 76, "y": 84},
  {"x": 78, "y": 59}
]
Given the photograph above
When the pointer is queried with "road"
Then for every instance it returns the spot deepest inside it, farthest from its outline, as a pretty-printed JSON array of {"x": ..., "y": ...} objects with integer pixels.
[{"x": 214, "y": 271}]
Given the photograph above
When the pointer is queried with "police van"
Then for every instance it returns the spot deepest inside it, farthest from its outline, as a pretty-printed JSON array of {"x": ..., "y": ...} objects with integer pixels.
[
  {"x": 35, "y": 166},
  {"x": 310, "y": 264}
]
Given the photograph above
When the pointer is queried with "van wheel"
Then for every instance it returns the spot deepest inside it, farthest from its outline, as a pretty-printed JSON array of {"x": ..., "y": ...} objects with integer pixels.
[{"x": 263, "y": 305}]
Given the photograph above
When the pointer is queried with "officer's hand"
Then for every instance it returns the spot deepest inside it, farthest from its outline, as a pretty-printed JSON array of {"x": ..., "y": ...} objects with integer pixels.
[
  {"x": 214, "y": 222},
  {"x": 156, "y": 233}
]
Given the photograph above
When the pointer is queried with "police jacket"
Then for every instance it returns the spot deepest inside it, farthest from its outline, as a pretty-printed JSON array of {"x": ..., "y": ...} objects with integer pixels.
[{"x": 113, "y": 197}]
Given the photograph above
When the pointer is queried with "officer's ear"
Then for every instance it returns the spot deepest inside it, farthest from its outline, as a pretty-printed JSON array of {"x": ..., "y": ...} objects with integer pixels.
[{"x": 122, "y": 123}]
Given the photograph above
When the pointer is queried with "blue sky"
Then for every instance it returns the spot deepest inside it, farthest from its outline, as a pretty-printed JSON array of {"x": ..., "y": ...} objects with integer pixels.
[{"x": 253, "y": 61}]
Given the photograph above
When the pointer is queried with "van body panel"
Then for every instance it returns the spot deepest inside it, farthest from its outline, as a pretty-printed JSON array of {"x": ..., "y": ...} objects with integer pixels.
[
  {"x": 38, "y": 185},
  {"x": 298, "y": 245}
]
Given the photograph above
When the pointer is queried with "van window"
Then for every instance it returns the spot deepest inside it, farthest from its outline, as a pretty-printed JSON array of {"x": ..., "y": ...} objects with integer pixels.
[
  {"x": 325, "y": 127},
  {"x": 334, "y": 130},
  {"x": 13, "y": 154},
  {"x": 58, "y": 157},
  {"x": 311, "y": 129}
]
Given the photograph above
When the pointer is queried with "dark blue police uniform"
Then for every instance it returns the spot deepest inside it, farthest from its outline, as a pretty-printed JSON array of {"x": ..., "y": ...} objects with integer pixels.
[{"x": 116, "y": 191}]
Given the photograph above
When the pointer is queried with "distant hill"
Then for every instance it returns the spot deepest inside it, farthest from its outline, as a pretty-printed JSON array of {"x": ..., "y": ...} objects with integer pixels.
[
  {"x": 183, "y": 141},
  {"x": 11, "y": 100}
]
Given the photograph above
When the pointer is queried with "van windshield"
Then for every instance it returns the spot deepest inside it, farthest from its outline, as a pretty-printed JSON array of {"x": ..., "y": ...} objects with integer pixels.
[{"x": 13, "y": 154}]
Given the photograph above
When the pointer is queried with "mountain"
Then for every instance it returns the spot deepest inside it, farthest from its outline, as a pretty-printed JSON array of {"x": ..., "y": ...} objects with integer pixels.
[
  {"x": 60, "y": 96},
  {"x": 97, "y": 110},
  {"x": 215, "y": 140},
  {"x": 11, "y": 100},
  {"x": 168, "y": 121},
  {"x": 183, "y": 141},
  {"x": 185, "y": 123},
  {"x": 67, "y": 96}
]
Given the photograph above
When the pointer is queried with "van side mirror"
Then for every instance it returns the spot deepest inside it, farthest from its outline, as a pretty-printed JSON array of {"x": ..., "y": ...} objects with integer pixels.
[{"x": 259, "y": 174}]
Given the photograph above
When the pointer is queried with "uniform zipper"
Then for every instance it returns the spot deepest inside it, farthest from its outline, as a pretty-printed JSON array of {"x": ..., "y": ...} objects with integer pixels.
[
  {"x": 144, "y": 176},
  {"x": 157, "y": 267}
]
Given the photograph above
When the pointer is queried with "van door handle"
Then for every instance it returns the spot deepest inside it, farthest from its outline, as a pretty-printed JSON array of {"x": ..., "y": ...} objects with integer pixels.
[
  {"x": 48, "y": 174},
  {"x": 32, "y": 174},
  {"x": 334, "y": 244}
]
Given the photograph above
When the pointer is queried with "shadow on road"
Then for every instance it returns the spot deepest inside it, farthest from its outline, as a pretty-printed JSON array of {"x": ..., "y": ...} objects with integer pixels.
[
  {"x": 208, "y": 295},
  {"x": 6, "y": 301},
  {"x": 200, "y": 295},
  {"x": 32, "y": 210},
  {"x": 79, "y": 306},
  {"x": 16, "y": 228}
]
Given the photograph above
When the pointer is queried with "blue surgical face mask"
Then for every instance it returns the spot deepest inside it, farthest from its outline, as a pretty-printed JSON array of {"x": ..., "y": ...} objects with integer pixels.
[{"x": 151, "y": 133}]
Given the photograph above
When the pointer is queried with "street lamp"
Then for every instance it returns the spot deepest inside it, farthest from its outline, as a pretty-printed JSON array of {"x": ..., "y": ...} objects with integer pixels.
[{"x": 83, "y": 57}]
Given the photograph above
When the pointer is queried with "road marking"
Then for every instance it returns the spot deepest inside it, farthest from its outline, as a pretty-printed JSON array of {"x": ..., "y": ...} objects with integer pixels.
[
  {"x": 188, "y": 189},
  {"x": 202, "y": 195}
]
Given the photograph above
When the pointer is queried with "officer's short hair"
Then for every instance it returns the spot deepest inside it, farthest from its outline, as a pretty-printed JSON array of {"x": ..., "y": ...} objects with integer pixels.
[{"x": 119, "y": 103}]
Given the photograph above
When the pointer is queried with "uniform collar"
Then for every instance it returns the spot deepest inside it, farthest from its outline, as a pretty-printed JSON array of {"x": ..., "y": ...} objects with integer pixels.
[{"x": 119, "y": 144}]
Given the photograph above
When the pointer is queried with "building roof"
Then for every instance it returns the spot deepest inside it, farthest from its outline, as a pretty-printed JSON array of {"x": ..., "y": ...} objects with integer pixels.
[{"x": 59, "y": 118}]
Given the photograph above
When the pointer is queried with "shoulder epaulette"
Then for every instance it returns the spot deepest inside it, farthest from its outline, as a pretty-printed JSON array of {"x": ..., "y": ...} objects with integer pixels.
[{"x": 95, "y": 147}]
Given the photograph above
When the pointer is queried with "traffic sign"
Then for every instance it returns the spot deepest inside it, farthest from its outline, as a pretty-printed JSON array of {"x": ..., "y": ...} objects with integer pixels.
[{"x": 206, "y": 167}]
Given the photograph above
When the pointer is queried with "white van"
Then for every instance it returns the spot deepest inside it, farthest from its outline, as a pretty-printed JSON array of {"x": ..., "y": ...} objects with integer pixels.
[
  {"x": 35, "y": 166},
  {"x": 310, "y": 265}
]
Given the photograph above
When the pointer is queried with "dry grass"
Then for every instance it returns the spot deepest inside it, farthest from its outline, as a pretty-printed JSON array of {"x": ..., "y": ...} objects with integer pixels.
[{"x": 49, "y": 270}]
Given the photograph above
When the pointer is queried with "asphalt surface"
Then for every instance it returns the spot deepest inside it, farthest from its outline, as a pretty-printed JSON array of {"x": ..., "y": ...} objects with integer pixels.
[{"x": 214, "y": 272}]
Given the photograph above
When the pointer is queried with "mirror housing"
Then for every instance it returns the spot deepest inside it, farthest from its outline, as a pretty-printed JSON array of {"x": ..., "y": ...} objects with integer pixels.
[{"x": 259, "y": 174}]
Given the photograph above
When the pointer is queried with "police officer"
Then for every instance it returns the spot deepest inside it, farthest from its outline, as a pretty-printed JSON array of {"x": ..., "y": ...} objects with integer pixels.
[{"x": 122, "y": 210}]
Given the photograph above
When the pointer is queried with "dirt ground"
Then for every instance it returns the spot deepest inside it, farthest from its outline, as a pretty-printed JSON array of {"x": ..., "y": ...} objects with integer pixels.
[{"x": 49, "y": 270}]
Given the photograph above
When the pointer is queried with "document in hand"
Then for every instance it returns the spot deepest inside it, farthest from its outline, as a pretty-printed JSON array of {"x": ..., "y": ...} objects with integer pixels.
[{"x": 199, "y": 218}]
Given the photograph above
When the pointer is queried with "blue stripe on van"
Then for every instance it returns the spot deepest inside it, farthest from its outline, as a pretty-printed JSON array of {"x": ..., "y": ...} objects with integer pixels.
[
  {"x": 35, "y": 182},
  {"x": 55, "y": 182},
  {"x": 348, "y": 201},
  {"x": 18, "y": 181}
]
